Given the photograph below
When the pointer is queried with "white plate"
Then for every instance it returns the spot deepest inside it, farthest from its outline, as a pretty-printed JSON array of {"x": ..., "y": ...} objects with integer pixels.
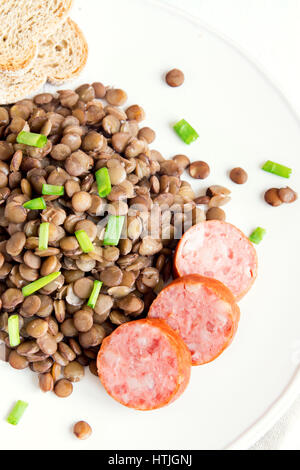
[{"x": 243, "y": 120}]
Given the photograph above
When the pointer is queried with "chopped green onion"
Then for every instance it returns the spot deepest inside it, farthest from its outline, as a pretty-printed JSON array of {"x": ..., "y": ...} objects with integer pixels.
[
  {"x": 34, "y": 204},
  {"x": 103, "y": 182},
  {"x": 52, "y": 190},
  {"x": 39, "y": 284},
  {"x": 13, "y": 331},
  {"x": 44, "y": 236},
  {"x": 95, "y": 293},
  {"x": 185, "y": 131},
  {"x": 34, "y": 140},
  {"x": 257, "y": 235},
  {"x": 277, "y": 169},
  {"x": 17, "y": 412},
  {"x": 84, "y": 241},
  {"x": 113, "y": 229}
]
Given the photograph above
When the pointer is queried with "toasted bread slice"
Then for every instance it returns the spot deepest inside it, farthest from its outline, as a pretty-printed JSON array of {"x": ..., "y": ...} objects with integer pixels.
[
  {"x": 61, "y": 57},
  {"x": 24, "y": 25},
  {"x": 65, "y": 53}
]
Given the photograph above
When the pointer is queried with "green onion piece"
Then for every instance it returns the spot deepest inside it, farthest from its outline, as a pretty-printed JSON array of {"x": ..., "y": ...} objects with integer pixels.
[
  {"x": 34, "y": 204},
  {"x": 34, "y": 140},
  {"x": 13, "y": 331},
  {"x": 36, "y": 285},
  {"x": 257, "y": 235},
  {"x": 185, "y": 131},
  {"x": 113, "y": 229},
  {"x": 52, "y": 190},
  {"x": 17, "y": 412},
  {"x": 95, "y": 293},
  {"x": 84, "y": 241},
  {"x": 103, "y": 182},
  {"x": 277, "y": 169},
  {"x": 44, "y": 236}
]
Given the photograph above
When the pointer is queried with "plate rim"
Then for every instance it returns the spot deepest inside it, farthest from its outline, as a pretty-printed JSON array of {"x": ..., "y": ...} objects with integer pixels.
[{"x": 289, "y": 394}]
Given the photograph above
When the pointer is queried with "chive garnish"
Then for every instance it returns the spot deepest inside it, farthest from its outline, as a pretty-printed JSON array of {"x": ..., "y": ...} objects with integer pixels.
[
  {"x": 84, "y": 241},
  {"x": 257, "y": 235},
  {"x": 44, "y": 236},
  {"x": 17, "y": 412},
  {"x": 113, "y": 229},
  {"x": 32, "y": 139},
  {"x": 35, "y": 204},
  {"x": 277, "y": 169},
  {"x": 39, "y": 284},
  {"x": 13, "y": 331},
  {"x": 185, "y": 131},
  {"x": 52, "y": 190},
  {"x": 103, "y": 182},
  {"x": 94, "y": 294}
]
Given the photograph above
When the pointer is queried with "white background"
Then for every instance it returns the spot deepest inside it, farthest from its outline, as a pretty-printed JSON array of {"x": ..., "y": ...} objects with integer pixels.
[{"x": 269, "y": 31}]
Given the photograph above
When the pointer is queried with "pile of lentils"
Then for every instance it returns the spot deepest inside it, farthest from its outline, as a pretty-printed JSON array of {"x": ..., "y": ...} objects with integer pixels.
[{"x": 87, "y": 129}]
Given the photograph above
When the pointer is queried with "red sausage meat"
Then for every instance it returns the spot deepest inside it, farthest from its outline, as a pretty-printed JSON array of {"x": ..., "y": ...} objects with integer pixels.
[
  {"x": 218, "y": 250},
  {"x": 144, "y": 364},
  {"x": 203, "y": 311}
]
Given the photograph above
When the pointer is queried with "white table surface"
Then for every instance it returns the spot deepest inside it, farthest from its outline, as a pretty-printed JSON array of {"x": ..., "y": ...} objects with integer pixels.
[{"x": 268, "y": 30}]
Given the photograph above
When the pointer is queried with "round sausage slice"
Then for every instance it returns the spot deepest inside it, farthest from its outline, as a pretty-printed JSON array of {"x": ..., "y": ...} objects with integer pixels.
[
  {"x": 144, "y": 364},
  {"x": 219, "y": 250},
  {"x": 203, "y": 311}
]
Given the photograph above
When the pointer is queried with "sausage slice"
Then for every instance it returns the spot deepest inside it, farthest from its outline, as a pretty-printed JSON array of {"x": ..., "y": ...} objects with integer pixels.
[
  {"x": 203, "y": 311},
  {"x": 144, "y": 364},
  {"x": 218, "y": 250}
]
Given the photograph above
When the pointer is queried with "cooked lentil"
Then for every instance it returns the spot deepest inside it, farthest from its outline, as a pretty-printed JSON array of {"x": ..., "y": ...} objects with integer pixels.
[
  {"x": 147, "y": 133},
  {"x": 182, "y": 161},
  {"x": 57, "y": 329},
  {"x": 287, "y": 195},
  {"x": 82, "y": 430},
  {"x": 217, "y": 190},
  {"x": 215, "y": 213},
  {"x": 175, "y": 78},
  {"x": 238, "y": 175},
  {"x": 199, "y": 170},
  {"x": 46, "y": 382},
  {"x": 74, "y": 371},
  {"x": 272, "y": 197},
  {"x": 63, "y": 388},
  {"x": 202, "y": 200}
]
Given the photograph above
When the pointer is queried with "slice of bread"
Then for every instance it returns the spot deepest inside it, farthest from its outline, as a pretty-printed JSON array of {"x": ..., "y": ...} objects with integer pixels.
[
  {"x": 61, "y": 57},
  {"x": 24, "y": 24},
  {"x": 65, "y": 53}
]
